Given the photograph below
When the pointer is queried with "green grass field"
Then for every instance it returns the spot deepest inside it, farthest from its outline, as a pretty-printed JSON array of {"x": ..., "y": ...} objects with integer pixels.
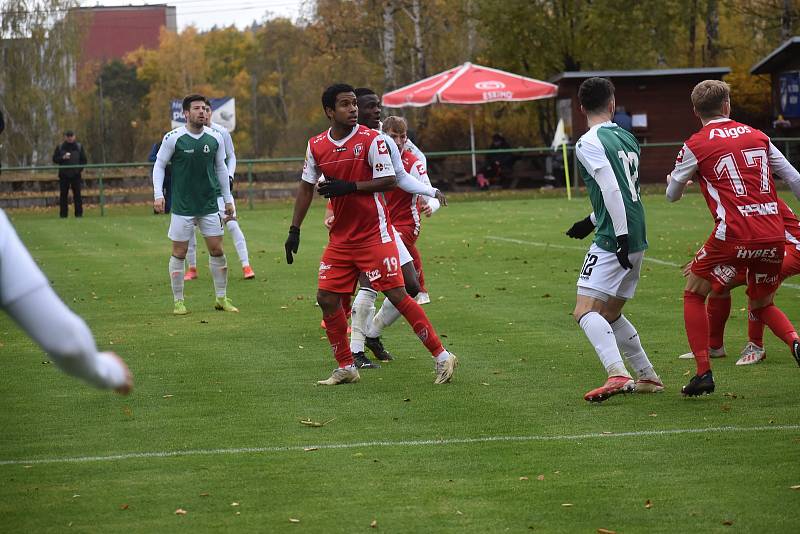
[{"x": 213, "y": 425}]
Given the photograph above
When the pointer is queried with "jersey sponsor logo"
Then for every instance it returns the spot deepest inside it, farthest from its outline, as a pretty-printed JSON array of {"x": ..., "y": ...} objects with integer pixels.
[
  {"x": 206, "y": 149},
  {"x": 731, "y": 133},
  {"x": 379, "y": 167},
  {"x": 757, "y": 253},
  {"x": 358, "y": 148},
  {"x": 373, "y": 274},
  {"x": 340, "y": 149},
  {"x": 189, "y": 150},
  {"x": 421, "y": 169},
  {"x": 724, "y": 273},
  {"x": 382, "y": 148},
  {"x": 767, "y": 208},
  {"x": 679, "y": 159}
]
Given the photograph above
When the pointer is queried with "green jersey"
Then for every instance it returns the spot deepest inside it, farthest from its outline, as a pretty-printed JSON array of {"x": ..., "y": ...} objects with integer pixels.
[
  {"x": 198, "y": 170},
  {"x": 607, "y": 145}
]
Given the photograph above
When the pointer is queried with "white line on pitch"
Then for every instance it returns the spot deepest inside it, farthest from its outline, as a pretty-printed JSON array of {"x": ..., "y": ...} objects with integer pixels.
[
  {"x": 568, "y": 247},
  {"x": 409, "y": 443}
]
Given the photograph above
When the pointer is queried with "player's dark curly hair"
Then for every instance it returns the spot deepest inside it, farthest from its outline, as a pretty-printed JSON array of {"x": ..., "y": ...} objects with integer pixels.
[
  {"x": 363, "y": 91},
  {"x": 329, "y": 95},
  {"x": 595, "y": 93}
]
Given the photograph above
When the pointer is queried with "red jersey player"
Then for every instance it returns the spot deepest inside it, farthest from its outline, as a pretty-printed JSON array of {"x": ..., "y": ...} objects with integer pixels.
[
  {"x": 735, "y": 164},
  {"x": 718, "y": 306},
  {"x": 357, "y": 167}
]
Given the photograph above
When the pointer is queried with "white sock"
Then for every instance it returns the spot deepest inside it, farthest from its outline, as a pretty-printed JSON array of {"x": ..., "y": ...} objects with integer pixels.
[
  {"x": 442, "y": 356},
  {"x": 386, "y": 316},
  {"x": 176, "y": 272},
  {"x": 631, "y": 347},
  {"x": 191, "y": 252},
  {"x": 601, "y": 336},
  {"x": 238, "y": 241},
  {"x": 219, "y": 273},
  {"x": 362, "y": 311}
]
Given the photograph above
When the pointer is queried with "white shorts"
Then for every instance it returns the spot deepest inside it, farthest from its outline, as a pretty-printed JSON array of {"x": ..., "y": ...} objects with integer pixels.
[
  {"x": 19, "y": 274},
  {"x": 602, "y": 276},
  {"x": 181, "y": 227},
  {"x": 404, "y": 256}
]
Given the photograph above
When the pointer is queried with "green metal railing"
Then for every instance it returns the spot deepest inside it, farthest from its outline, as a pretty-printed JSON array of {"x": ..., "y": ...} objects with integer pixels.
[{"x": 786, "y": 143}]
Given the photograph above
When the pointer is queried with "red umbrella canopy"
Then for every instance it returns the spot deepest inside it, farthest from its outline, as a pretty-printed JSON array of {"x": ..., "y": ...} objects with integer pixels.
[{"x": 470, "y": 84}]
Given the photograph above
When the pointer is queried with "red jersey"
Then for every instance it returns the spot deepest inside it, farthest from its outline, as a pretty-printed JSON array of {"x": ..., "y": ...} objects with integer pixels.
[
  {"x": 733, "y": 163},
  {"x": 791, "y": 225},
  {"x": 360, "y": 219},
  {"x": 403, "y": 208}
]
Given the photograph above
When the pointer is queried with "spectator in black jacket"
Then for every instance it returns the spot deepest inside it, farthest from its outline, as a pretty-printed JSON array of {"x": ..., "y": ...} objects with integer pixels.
[{"x": 70, "y": 152}]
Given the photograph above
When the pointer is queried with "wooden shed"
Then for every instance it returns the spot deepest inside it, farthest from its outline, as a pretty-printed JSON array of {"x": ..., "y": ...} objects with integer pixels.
[
  {"x": 783, "y": 66},
  {"x": 656, "y": 101}
]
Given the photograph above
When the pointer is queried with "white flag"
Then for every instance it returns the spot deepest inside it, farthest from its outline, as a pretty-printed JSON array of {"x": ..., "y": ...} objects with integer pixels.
[{"x": 560, "y": 138}]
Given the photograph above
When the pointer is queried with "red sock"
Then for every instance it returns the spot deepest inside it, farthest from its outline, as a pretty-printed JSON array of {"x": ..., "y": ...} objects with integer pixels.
[
  {"x": 419, "y": 322},
  {"x": 696, "y": 320},
  {"x": 755, "y": 329},
  {"x": 777, "y": 321},
  {"x": 718, "y": 309},
  {"x": 418, "y": 267},
  {"x": 336, "y": 330}
]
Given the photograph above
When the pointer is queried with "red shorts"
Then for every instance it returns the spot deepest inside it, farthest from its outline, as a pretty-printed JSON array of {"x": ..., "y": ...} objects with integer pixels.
[
  {"x": 339, "y": 267},
  {"x": 721, "y": 263},
  {"x": 791, "y": 262}
]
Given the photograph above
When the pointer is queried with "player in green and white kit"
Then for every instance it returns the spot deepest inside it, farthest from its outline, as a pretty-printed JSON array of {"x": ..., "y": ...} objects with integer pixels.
[
  {"x": 231, "y": 223},
  {"x": 197, "y": 154},
  {"x": 608, "y": 161}
]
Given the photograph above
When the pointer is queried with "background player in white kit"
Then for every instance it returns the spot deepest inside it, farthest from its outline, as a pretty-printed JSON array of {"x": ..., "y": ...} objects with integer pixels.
[
  {"x": 197, "y": 154},
  {"x": 231, "y": 222},
  {"x": 608, "y": 159},
  {"x": 28, "y": 298}
]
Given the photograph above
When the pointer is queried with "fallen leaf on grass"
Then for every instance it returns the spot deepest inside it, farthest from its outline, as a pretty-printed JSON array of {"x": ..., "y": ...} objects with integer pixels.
[
  {"x": 607, "y": 433},
  {"x": 687, "y": 373},
  {"x": 540, "y": 477},
  {"x": 293, "y": 520},
  {"x": 310, "y": 449},
  {"x": 648, "y": 504},
  {"x": 167, "y": 396},
  {"x": 731, "y": 395},
  {"x": 205, "y": 494},
  {"x": 127, "y": 411},
  {"x": 374, "y": 524},
  {"x": 653, "y": 414},
  {"x": 124, "y": 507},
  {"x": 484, "y": 383},
  {"x": 795, "y": 487},
  {"x": 606, "y": 531},
  {"x": 309, "y": 422},
  {"x": 180, "y": 511},
  {"x": 406, "y": 400},
  {"x": 727, "y": 522},
  {"x": 459, "y": 512},
  {"x": 234, "y": 504},
  {"x": 523, "y": 478},
  {"x": 566, "y": 504}
]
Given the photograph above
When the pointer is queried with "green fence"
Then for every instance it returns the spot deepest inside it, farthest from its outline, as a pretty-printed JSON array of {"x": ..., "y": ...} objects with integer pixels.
[{"x": 448, "y": 169}]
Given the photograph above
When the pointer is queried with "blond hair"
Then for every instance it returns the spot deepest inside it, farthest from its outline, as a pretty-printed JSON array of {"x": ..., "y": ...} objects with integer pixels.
[
  {"x": 395, "y": 124},
  {"x": 708, "y": 97}
]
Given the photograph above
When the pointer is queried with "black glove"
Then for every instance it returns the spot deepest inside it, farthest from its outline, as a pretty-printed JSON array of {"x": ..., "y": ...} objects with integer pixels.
[
  {"x": 332, "y": 187},
  {"x": 581, "y": 229},
  {"x": 230, "y": 183},
  {"x": 292, "y": 243},
  {"x": 622, "y": 252}
]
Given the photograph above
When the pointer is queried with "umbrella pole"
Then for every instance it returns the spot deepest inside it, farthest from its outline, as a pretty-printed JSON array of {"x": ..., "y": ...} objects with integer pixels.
[{"x": 472, "y": 144}]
